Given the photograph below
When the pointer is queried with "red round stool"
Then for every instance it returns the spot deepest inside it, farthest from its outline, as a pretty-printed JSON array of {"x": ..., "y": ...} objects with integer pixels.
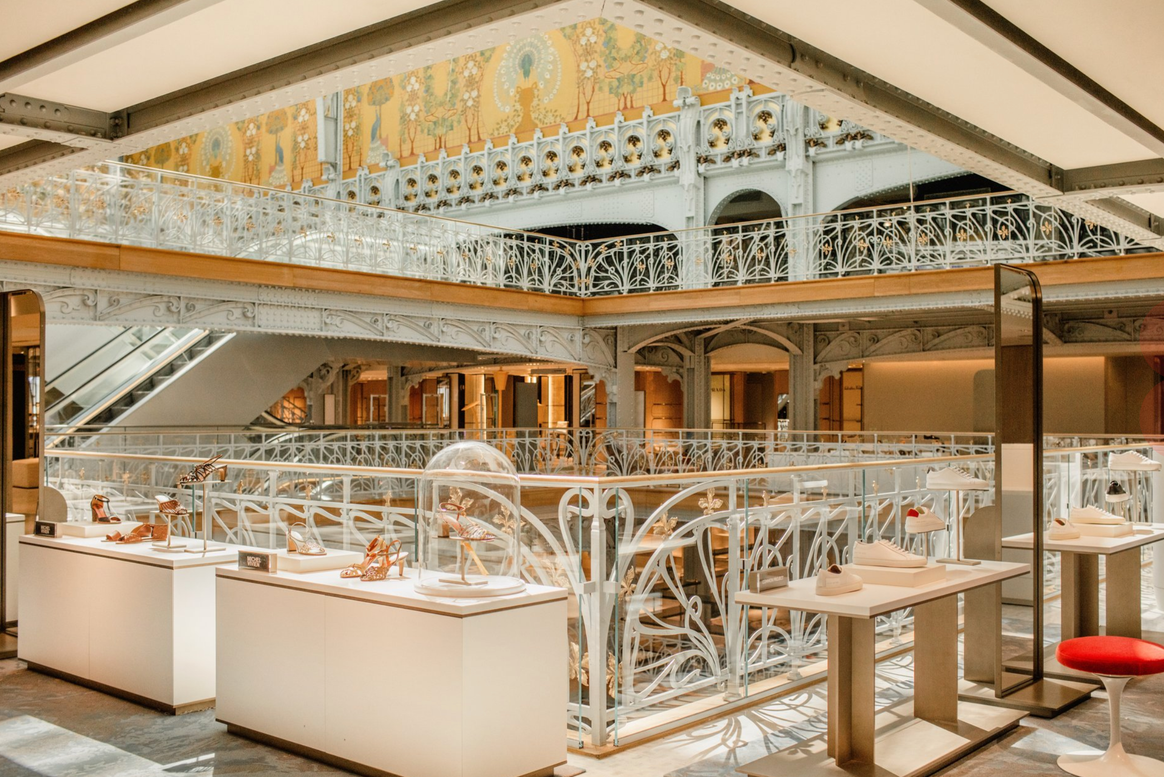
[{"x": 1116, "y": 660}]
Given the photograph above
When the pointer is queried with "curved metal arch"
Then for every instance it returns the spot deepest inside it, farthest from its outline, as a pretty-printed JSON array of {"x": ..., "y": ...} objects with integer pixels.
[
  {"x": 783, "y": 342},
  {"x": 718, "y": 209}
]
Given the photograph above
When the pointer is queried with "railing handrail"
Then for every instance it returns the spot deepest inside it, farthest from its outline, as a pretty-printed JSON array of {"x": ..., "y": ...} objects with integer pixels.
[
  {"x": 529, "y": 478},
  {"x": 271, "y": 190}
]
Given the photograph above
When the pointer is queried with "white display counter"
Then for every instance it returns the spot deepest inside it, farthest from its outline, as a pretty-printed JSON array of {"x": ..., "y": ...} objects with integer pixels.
[
  {"x": 376, "y": 678},
  {"x": 124, "y": 619}
]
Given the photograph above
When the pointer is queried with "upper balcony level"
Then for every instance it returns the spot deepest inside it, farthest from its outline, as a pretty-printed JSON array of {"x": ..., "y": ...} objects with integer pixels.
[{"x": 136, "y": 206}]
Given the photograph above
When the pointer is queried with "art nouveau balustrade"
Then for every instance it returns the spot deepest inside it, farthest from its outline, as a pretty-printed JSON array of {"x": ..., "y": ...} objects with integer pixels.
[
  {"x": 606, "y": 452},
  {"x": 652, "y": 562},
  {"x": 744, "y": 129},
  {"x": 139, "y": 206}
]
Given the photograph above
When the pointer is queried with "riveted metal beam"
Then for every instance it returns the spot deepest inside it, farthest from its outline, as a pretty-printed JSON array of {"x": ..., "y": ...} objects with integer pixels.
[
  {"x": 1146, "y": 175},
  {"x": 72, "y": 125},
  {"x": 1000, "y": 35},
  {"x": 1127, "y": 213},
  {"x": 851, "y": 83},
  {"x": 32, "y": 153}
]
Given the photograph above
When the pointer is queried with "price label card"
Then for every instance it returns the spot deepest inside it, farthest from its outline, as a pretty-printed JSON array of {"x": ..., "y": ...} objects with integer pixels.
[
  {"x": 767, "y": 579},
  {"x": 258, "y": 560},
  {"x": 44, "y": 529}
]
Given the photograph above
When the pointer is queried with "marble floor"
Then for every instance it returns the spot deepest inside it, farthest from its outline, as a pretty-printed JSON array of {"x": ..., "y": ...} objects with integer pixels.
[{"x": 53, "y": 728}]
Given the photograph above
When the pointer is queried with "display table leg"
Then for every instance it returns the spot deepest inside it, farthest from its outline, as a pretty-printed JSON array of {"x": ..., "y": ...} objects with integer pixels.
[
  {"x": 1122, "y": 605},
  {"x": 1080, "y": 580},
  {"x": 851, "y": 709},
  {"x": 935, "y": 661}
]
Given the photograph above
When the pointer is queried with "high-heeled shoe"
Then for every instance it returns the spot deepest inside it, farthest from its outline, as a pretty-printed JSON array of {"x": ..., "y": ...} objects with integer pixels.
[
  {"x": 391, "y": 555},
  {"x": 296, "y": 543},
  {"x": 201, "y": 472},
  {"x": 99, "y": 509},
  {"x": 171, "y": 507},
  {"x": 470, "y": 532},
  {"x": 371, "y": 553}
]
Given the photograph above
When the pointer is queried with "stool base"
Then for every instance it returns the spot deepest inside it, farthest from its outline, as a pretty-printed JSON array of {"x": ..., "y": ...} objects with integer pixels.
[{"x": 1116, "y": 762}]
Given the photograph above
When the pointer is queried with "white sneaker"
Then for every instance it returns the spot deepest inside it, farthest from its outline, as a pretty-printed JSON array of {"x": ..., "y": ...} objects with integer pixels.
[
  {"x": 884, "y": 553},
  {"x": 837, "y": 580},
  {"x": 955, "y": 479},
  {"x": 1093, "y": 515},
  {"x": 1132, "y": 461},
  {"x": 1116, "y": 493},
  {"x": 919, "y": 520},
  {"x": 1062, "y": 529}
]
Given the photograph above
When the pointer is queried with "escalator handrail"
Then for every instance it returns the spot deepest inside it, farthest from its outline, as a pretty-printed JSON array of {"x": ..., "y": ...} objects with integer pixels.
[
  {"x": 183, "y": 344},
  {"x": 163, "y": 331}
]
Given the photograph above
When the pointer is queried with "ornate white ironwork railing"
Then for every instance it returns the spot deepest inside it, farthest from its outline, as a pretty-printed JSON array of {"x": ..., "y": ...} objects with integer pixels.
[
  {"x": 140, "y": 206},
  {"x": 651, "y": 562},
  {"x": 924, "y": 236},
  {"x": 608, "y": 452},
  {"x": 133, "y": 205}
]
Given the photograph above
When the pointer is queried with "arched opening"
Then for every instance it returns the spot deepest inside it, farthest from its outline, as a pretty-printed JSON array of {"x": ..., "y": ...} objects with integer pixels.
[
  {"x": 748, "y": 205},
  {"x": 746, "y": 248},
  {"x": 967, "y": 185},
  {"x": 882, "y": 231},
  {"x": 749, "y": 387},
  {"x": 600, "y": 231}
]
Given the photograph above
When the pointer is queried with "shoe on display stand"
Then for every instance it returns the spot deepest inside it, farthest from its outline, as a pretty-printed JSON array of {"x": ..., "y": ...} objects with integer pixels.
[
  {"x": 1116, "y": 493},
  {"x": 837, "y": 580},
  {"x": 298, "y": 543},
  {"x": 1132, "y": 461},
  {"x": 1091, "y": 514},
  {"x": 920, "y": 520},
  {"x": 884, "y": 553},
  {"x": 1062, "y": 529},
  {"x": 99, "y": 510},
  {"x": 954, "y": 479},
  {"x": 170, "y": 508}
]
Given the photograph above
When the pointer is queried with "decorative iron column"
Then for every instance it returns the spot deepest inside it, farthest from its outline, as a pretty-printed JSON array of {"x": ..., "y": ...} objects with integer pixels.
[{"x": 802, "y": 391}]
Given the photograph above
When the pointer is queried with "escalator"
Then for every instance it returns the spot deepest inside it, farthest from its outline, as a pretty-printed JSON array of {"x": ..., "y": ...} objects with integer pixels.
[{"x": 106, "y": 384}]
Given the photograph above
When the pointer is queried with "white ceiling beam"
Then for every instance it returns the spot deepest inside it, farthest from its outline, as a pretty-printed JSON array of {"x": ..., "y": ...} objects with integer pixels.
[
  {"x": 993, "y": 30},
  {"x": 124, "y": 24}
]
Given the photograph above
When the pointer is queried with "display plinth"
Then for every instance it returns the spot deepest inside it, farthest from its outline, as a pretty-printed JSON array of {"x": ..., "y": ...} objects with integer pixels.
[
  {"x": 1104, "y": 530},
  {"x": 121, "y": 618},
  {"x": 900, "y": 576},
  {"x": 379, "y": 679},
  {"x": 90, "y": 529},
  {"x": 438, "y": 584},
  {"x": 300, "y": 563},
  {"x": 906, "y": 746}
]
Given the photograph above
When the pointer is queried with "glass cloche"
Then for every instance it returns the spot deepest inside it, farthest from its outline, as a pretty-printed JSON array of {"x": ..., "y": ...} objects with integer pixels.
[{"x": 469, "y": 505}]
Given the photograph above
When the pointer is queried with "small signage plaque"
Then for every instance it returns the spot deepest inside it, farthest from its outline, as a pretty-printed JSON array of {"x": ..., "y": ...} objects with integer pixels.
[
  {"x": 767, "y": 579},
  {"x": 44, "y": 529},
  {"x": 257, "y": 560}
]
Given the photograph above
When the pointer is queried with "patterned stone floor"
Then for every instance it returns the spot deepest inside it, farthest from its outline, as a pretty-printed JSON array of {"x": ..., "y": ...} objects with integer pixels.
[{"x": 52, "y": 728}]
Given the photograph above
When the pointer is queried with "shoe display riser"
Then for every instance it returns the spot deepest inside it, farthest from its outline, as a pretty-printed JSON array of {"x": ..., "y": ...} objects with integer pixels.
[{"x": 376, "y": 678}]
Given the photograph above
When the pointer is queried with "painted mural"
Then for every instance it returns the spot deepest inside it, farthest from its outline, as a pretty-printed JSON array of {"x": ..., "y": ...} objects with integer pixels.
[{"x": 593, "y": 69}]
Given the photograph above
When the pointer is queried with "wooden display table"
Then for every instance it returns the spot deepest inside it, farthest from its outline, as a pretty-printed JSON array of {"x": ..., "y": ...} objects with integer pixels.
[
  {"x": 912, "y": 738},
  {"x": 376, "y": 678},
  {"x": 124, "y": 619},
  {"x": 1079, "y": 583},
  {"x": 1079, "y": 571}
]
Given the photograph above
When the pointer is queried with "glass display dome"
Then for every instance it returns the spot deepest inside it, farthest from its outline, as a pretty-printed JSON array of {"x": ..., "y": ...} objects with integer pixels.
[{"x": 469, "y": 516}]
